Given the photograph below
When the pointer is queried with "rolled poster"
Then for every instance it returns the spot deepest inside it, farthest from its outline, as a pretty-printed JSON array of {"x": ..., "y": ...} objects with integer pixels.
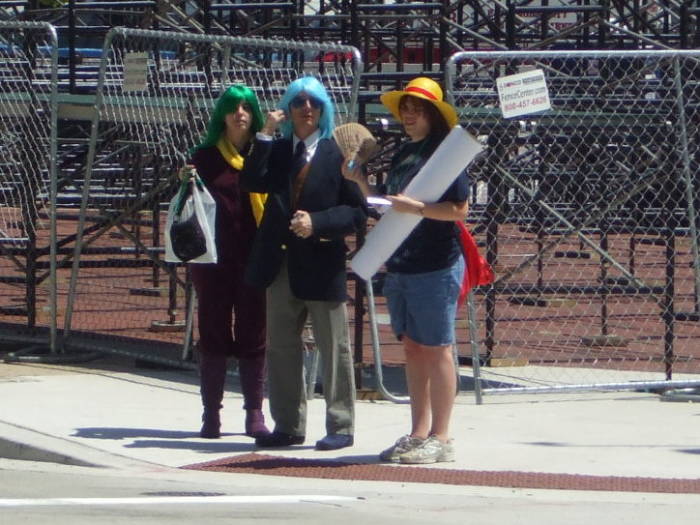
[{"x": 449, "y": 160}]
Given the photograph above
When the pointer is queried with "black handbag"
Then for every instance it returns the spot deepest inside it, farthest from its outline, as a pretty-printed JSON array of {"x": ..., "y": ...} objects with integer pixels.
[{"x": 187, "y": 237}]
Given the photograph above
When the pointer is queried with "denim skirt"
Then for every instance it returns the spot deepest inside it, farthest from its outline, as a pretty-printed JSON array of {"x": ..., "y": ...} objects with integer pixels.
[{"x": 423, "y": 305}]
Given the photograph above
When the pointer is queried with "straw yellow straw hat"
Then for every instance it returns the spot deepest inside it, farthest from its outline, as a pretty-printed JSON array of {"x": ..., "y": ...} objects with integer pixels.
[{"x": 427, "y": 89}]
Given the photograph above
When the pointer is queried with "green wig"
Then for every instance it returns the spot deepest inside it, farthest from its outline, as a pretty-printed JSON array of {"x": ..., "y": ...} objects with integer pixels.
[{"x": 227, "y": 103}]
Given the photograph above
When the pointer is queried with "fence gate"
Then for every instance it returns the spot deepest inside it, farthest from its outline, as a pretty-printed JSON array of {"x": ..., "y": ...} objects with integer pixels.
[
  {"x": 28, "y": 84},
  {"x": 154, "y": 95},
  {"x": 588, "y": 212}
]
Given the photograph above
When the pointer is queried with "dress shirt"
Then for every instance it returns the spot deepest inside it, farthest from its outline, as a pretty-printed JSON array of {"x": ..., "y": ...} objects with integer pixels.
[{"x": 311, "y": 142}]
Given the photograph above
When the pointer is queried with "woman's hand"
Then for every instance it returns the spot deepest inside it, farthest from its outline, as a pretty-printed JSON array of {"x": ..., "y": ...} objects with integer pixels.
[
  {"x": 301, "y": 224},
  {"x": 403, "y": 204},
  {"x": 274, "y": 119},
  {"x": 439, "y": 211},
  {"x": 355, "y": 173},
  {"x": 187, "y": 172}
]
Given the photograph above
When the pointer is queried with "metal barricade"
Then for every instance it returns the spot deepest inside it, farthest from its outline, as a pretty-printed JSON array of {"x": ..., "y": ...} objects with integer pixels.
[
  {"x": 28, "y": 185},
  {"x": 153, "y": 97},
  {"x": 588, "y": 213}
]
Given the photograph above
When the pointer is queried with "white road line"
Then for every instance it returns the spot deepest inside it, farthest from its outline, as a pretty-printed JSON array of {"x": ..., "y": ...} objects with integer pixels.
[{"x": 169, "y": 500}]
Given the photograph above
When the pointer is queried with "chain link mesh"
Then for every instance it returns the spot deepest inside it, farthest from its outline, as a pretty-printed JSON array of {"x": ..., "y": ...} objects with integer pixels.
[
  {"x": 25, "y": 93},
  {"x": 153, "y": 105},
  {"x": 588, "y": 213},
  {"x": 27, "y": 63}
]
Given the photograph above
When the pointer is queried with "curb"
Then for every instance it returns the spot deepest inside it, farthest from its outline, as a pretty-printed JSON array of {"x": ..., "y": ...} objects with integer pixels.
[
  {"x": 10, "y": 449},
  {"x": 21, "y": 443}
]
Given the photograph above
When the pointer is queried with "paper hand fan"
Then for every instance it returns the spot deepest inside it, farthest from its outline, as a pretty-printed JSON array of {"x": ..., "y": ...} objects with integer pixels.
[{"x": 356, "y": 142}]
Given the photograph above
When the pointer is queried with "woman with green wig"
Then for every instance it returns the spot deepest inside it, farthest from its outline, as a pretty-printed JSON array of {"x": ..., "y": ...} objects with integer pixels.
[{"x": 222, "y": 296}]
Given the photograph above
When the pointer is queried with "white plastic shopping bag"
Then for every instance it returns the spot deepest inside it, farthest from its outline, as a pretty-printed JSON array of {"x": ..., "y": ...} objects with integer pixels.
[{"x": 190, "y": 225}]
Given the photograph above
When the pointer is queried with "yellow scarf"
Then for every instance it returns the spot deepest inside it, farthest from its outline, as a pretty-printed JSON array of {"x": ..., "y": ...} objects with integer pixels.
[{"x": 235, "y": 160}]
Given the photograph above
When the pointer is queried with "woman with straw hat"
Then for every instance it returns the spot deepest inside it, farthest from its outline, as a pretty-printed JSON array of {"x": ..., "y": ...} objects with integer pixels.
[{"x": 424, "y": 274}]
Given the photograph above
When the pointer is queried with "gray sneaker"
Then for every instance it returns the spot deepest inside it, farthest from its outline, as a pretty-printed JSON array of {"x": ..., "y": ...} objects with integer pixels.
[
  {"x": 432, "y": 450},
  {"x": 402, "y": 445}
]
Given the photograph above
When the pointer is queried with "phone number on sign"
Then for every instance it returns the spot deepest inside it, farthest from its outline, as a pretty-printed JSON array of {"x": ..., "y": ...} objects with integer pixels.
[{"x": 520, "y": 104}]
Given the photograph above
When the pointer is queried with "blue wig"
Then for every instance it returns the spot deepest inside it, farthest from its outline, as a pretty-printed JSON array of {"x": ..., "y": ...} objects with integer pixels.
[{"x": 312, "y": 87}]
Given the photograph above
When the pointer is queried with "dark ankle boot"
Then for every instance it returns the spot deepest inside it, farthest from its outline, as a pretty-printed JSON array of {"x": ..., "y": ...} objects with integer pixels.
[
  {"x": 252, "y": 373},
  {"x": 255, "y": 423},
  {"x": 212, "y": 371},
  {"x": 211, "y": 425}
]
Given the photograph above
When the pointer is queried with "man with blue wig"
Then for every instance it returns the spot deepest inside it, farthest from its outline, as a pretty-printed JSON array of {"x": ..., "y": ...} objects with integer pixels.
[{"x": 299, "y": 257}]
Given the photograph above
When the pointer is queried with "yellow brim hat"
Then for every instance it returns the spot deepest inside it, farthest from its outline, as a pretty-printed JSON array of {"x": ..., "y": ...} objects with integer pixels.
[{"x": 427, "y": 89}]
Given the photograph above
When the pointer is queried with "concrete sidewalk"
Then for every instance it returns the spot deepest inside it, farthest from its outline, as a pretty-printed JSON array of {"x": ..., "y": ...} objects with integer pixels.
[{"x": 116, "y": 415}]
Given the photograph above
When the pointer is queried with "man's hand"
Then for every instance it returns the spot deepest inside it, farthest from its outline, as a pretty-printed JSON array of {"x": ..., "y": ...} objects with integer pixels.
[
  {"x": 301, "y": 224},
  {"x": 274, "y": 119}
]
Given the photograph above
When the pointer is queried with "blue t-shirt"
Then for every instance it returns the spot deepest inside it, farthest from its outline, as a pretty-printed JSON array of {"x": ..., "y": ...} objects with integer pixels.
[{"x": 432, "y": 245}]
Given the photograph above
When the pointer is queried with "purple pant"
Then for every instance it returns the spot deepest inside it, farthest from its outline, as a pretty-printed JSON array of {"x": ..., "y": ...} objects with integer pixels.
[{"x": 222, "y": 296}]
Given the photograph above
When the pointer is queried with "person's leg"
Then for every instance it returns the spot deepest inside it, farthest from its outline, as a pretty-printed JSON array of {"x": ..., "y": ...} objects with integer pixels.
[
  {"x": 443, "y": 385},
  {"x": 251, "y": 370},
  {"x": 437, "y": 446},
  {"x": 331, "y": 334},
  {"x": 431, "y": 307},
  {"x": 432, "y": 383},
  {"x": 431, "y": 302},
  {"x": 212, "y": 377},
  {"x": 249, "y": 331},
  {"x": 286, "y": 316},
  {"x": 214, "y": 307},
  {"x": 418, "y": 382}
]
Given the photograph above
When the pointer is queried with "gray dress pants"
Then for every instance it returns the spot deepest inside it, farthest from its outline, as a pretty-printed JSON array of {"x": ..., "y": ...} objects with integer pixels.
[{"x": 286, "y": 317}]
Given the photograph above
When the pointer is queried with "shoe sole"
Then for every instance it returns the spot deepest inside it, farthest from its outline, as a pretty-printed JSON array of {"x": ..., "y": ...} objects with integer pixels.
[
  {"x": 322, "y": 447},
  {"x": 425, "y": 461},
  {"x": 278, "y": 445},
  {"x": 281, "y": 445}
]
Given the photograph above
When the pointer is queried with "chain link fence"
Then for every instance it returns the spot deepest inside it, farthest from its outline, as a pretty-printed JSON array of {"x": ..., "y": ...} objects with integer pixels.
[
  {"x": 588, "y": 213},
  {"x": 154, "y": 94},
  {"x": 28, "y": 84}
]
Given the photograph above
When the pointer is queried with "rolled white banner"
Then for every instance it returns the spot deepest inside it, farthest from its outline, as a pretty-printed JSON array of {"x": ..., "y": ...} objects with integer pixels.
[{"x": 449, "y": 160}]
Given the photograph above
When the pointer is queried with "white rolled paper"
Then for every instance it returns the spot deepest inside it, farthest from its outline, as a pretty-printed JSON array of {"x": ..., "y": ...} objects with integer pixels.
[{"x": 449, "y": 160}]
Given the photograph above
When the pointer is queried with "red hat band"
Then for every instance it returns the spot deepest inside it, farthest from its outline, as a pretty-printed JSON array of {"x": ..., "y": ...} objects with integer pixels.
[{"x": 414, "y": 89}]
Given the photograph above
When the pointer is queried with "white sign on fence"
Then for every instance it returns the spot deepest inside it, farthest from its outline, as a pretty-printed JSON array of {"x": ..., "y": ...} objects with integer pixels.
[
  {"x": 135, "y": 72},
  {"x": 523, "y": 93}
]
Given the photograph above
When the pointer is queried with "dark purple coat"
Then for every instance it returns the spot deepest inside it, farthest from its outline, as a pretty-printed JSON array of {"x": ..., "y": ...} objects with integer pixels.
[
  {"x": 235, "y": 224},
  {"x": 222, "y": 294}
]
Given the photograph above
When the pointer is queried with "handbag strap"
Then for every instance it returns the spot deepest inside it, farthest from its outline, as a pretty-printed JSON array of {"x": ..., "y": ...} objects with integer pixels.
[{"x": 185, "y": 191}]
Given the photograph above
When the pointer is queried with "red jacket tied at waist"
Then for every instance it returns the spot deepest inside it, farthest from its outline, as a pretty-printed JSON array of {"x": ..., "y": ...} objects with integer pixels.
[{"x": 478, "y": 271}]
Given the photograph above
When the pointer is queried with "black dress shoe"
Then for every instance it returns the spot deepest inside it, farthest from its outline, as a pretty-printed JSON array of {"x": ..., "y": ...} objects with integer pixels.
[
  {"x": 278, "y": 439},
  {"x": 335, "y": 441}
]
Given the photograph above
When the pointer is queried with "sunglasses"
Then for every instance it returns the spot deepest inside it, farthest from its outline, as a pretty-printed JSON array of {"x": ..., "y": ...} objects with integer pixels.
[{"x": 299, "y": 102}]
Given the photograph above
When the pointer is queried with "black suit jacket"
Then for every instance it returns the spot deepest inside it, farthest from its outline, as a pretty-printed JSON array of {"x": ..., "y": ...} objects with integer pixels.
[{"x": 336, "y": 205}]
